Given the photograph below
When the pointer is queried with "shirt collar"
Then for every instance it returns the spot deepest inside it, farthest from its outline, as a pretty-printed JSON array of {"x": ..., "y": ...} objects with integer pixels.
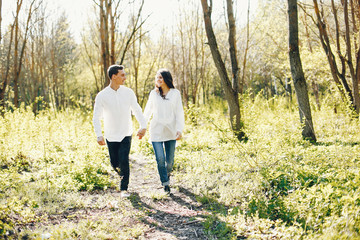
[{"x": 112, "y": 90}]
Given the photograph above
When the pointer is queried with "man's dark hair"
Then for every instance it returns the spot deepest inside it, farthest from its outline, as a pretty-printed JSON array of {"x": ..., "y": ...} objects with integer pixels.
[{"x": 114, "y": 69}]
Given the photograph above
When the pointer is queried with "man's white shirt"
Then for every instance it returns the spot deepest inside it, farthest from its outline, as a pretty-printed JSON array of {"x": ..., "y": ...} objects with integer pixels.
[{"x": 115, "y": 108}]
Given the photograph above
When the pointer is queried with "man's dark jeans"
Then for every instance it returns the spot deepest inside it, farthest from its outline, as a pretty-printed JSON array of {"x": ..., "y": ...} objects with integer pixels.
[{"x": 119, "y": 159}]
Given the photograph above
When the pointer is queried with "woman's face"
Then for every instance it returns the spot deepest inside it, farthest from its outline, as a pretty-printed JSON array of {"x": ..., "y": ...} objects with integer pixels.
[{"x": 159, "y": 81}]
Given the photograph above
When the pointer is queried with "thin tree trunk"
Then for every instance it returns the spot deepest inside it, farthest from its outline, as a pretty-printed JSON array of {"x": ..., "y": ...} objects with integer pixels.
[
  {"x": 109, "y": 14},
  {"x": 356, "y": 15},
  {"x": 339, "y": 77},
  {"x": 112, "y": 34},
  {"x": 16, "y": 52},
  {"x": 230, "y": 94},
  {"x": 0, "y": 20},
  {"x": 136, "y": 27},
  {"x": 19, "y": 64},
  {"x": 314, "y": 85},
  {"x": 242, "y": 79},
  {"x": 325, "y": 42},
  {"x": 103, "y": 40},
  {"x": 298, "y": 74},
  {"x": 342, "y": 58},
  {"x": 6, "y": 78},
  {"x": 232, "y": 44},
  {"x": 355, "y": 85}
]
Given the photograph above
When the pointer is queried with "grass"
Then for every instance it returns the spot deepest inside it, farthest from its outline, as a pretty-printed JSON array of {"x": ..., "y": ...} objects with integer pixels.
[{"x": 275, "y": 185}]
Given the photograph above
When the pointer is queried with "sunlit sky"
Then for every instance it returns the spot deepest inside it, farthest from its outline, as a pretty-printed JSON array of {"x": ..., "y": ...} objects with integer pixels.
[
  {"x": 78, "y": 11},
  {"x": 163, "y": 12}
]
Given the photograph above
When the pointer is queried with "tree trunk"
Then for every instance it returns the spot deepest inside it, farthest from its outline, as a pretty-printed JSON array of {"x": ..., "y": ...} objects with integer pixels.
[
  {"x": 242, "y": 79},
  {"x": 232, "y": 44},
  {"x": 16, "y": 53},
  {"x": 109, "y": 14},
  {"x": 18, "y": 58},
  {"x": 348, "y": 95},
  {"x": 136, "y": 26},
  {"x": 112, "y": 34},
  {"x": 0, "y": 19},
  {"x": 315, "y": 88},
  {"x": 104, "y": 40},
  {"x": 5, "y": 77},
  {"x": 230, "y": 94},
  {"x": 349, "y": 61},
  {"x": 298, "y": 74},
  {"x": 355, "y": 82}
]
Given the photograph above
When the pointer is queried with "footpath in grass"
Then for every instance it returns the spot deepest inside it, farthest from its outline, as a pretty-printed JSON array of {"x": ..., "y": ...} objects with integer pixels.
[
  {"x": 148, "y": 213},
  {"x": 178, "y": 216}
]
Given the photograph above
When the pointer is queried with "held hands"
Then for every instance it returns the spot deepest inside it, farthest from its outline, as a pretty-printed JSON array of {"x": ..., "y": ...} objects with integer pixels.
[
  {"x": 141, "y": 133},
  {"x": 101, "y": 140},
  {"x": 178, "y": 135}
]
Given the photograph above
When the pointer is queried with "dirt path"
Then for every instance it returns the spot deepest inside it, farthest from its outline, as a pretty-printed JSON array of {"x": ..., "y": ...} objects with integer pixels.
[
  {"x": 161, "y": 216},
  {"x": 178, "y": 216}
]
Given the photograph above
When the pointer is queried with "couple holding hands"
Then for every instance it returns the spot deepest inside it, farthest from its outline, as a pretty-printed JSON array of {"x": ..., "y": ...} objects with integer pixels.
[{"x": 115, "y": 104}]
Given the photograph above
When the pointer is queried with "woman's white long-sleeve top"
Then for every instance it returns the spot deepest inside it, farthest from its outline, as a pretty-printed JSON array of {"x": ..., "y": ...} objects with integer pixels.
[{"x": 168, "y": 115}]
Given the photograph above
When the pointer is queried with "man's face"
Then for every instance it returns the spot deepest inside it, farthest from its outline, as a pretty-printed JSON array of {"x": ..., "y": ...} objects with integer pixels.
[{"x": 119, "y": 78}]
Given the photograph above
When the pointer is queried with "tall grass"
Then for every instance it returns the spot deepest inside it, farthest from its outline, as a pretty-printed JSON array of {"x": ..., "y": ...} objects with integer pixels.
[{"x": 275, "y": 185}]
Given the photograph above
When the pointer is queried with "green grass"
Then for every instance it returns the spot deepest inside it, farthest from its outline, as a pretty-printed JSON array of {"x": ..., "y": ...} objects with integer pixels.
[
  {"x": 275, "y": 185},
  {"x": 279, "y": 184}
]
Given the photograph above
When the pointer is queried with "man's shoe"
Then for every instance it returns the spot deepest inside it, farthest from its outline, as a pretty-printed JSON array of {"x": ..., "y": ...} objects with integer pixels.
[
  {"x": 167, "y": 189},
  {"x": 124, "y": 194}
]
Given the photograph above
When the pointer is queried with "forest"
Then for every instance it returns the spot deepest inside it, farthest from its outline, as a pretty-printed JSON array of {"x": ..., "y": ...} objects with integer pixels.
[{"x": 271, "y": 146}]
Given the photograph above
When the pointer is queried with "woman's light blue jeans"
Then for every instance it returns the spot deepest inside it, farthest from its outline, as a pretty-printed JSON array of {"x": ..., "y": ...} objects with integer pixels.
[{"x": 164, "y": 153}]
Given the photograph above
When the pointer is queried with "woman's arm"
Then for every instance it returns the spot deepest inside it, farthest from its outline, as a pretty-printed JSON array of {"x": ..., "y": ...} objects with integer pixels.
[
  {"x": 149, "y": 106},
  {"x": 179, "y": 114}
]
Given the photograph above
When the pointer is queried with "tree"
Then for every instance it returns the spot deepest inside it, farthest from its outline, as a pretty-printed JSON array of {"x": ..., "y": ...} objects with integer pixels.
[
  {"x": 349, "y": 94},
  {"x": 36, "y": 72},
  {"x": 230, "y": 89},
  {"x": 107, "y": 36},
  {"x": 267, "y": 56},
  {"x": 0, "y": 20},
  {"x": 61, "y": 50},
  {"x": 109, "y": 15},
  {"x": 189, "y": 57},
  {"x": 298, "y": 74},
  {"x": 5, "y": 73},
  {"x": 20, "y": 39},
  {"x": 242, "y": 79}
]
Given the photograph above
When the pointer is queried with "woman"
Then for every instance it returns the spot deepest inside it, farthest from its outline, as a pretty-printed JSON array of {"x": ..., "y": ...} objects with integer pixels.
[{"x": 167, "y": 124}]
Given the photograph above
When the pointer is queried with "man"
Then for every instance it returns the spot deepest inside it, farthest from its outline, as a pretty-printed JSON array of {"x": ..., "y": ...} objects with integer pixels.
[{"x": 114, "y": 104}]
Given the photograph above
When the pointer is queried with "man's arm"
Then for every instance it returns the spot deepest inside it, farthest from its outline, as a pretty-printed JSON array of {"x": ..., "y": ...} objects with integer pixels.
[
  {"x": 136, "y": 109},
  {"x": 97, "y": 115}
]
